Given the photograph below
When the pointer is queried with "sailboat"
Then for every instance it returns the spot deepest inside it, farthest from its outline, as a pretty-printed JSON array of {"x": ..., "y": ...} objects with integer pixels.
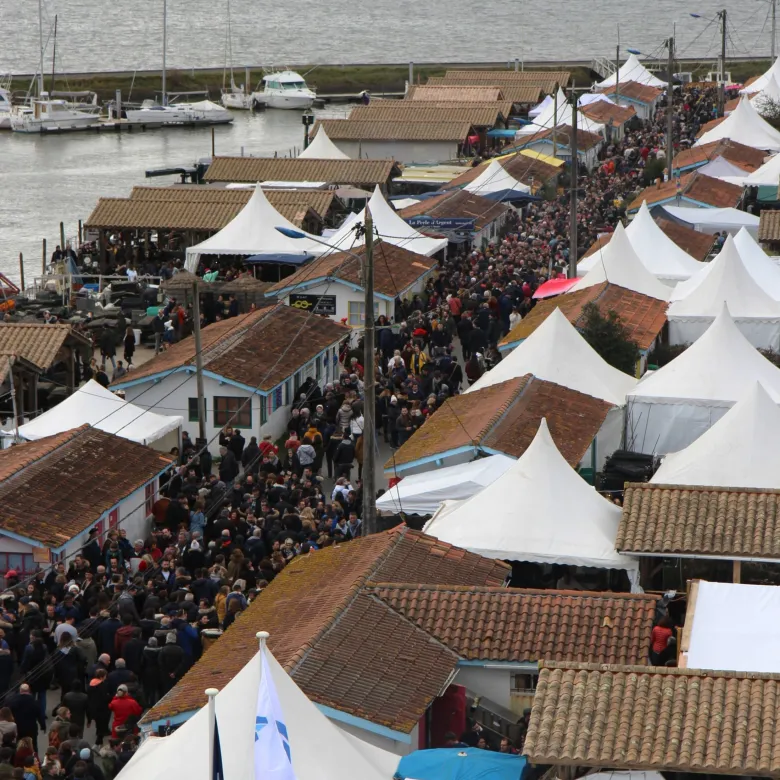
[{"x": 233, "y": 97}]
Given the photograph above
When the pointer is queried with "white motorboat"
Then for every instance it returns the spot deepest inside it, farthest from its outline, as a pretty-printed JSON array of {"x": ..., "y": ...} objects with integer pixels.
[
  {"x": 5, "y": 109},
  {"x": 46, "y": 115},
  {"x": 152, "y": 114},
  {"x": 285, "y": 89}
]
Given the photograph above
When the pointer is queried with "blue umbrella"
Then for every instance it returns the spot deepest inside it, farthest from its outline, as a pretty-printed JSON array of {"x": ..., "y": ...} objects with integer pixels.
[{"x": 460, "y": 764}]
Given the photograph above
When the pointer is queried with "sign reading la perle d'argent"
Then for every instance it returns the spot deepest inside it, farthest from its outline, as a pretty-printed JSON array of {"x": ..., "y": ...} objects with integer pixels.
[
  {"x": 319, "y": 304},
  {"x": 442, "y": 223}
]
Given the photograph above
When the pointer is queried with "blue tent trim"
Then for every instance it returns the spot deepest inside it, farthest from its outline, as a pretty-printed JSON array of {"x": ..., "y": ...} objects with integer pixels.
[
  {"x": 498, "y": 132},
  {"x": 509, "y": 195},
  {"x": 279, "y": 259},
  {"x": 462, "y": 763}
]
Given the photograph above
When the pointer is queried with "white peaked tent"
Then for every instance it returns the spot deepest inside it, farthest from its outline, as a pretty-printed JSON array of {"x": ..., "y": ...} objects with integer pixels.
[
  {"x": 766, "y": 100},
  {"x": 253, "y": 232},
  {"x": 632, "y": 70},
  {"x": 322, "y": 148},
  {"x": 618, "y": 263},
  {"x": 422, "y": 494},
  {"x": 739, "y": 451},
  {"x": 540, "y": 510},
  {"x": 720, "y": 168},
  {"x": 763, "y": 80},
  {"x": 768, "y": 175},
  {"x": 557, "y": 353},
  {"x": 713, "y": 221},
  {"x": 755, "y": 312},
  {"x": 593, "y": 97},
  {"x": 745, "y": 126},
  {"x": 318, "y": 748},
  {"x": 548, "y": 118},
  {"x": 659, "y": 254},
  {"x": 547, "y": 103},
  {"x": 388, "y": 226},
  {"x": 94, "y": 405},
  {"x": 670, "y": 408},
  {"x": 495, "y": 178}
]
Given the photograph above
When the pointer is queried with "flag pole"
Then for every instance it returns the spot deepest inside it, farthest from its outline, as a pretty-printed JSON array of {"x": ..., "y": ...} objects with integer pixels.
[
  {"x": 262, "y": 638},
  {"x": 212, "y": 694}
]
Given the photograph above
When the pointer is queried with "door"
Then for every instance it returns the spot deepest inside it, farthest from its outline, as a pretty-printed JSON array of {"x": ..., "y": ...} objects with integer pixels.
[
  {"x": 448, "y": 713},
  {"x": 113, "y": 518}
]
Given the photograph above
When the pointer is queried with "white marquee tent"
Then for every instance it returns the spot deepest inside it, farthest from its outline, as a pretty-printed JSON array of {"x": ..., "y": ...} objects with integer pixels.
[
  {"x": 540, "y": 510},
  {"x": 252, "y": 232},
  {"x": 618, "y": 263},
  {"x": 322, "y": 148},
  {"x": 556, "y": 116},
  {"x": 739, "y": 451},
  {"x": 659, "y": 254},
  {"x": 556, "y": 352},
  {"x": 547, "y": 102},
  {"x": 763, "y": 80},
  {"x": 422, "y": 494},
  {"x": 720, "y": 168},
  {"x": 755, "y": 312},
  {"x": 632, "y": 70},
  {"x": 768, "y": 175},
  {"x": 94, "y": 405},
  {"x": 765, "y": 101},
  {"x": 670, "y": 408},
  {"x": 319, "y": 749},
  {"x": 593, "y": 97},
  {"x": 495, "y": 178},
  {"x": 713, "y": 221},
  {"x": 388, "y": 226},
  {"x": 745, "y": 126}
]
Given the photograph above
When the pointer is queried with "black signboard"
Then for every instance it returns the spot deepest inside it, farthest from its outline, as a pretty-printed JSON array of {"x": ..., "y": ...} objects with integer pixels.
[{"x": 319, "y": 304}]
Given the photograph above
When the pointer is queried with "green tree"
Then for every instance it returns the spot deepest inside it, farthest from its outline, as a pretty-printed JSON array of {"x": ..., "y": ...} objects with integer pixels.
[{"x": 610, "y": 338}]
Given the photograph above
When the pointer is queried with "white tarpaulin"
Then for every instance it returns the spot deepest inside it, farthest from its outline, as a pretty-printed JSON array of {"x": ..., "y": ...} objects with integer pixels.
[
  {"x": 735, "y": 628},
  {"x": 540, "y": 510},
  {"x": 763, "y": 80},
  {"x": 319, "y": 749},
  {"x": 745, "y": 126},
  {"x": 720, "y": 168},
  {"x": 422, "y": 494},
  {"x": 556, "y": 352},
  {"x": 767, "y": 99},
  {"x": 755, "y": 312},
  {"x": 593, "y": 97},
  {"x": 322, "y": 148},
  {"x": 93, "y": 405},
  {"x": 388, "y": 226},
  {"x": 495, "y": 178},
  {"x": 670, "y": 408},
  {"x": 659, "y": 254},
  {"x": 632, "y": 70},
  {"x": 715, "y": 220},
  {"x": 739, "y": 451},
  {"x": 618, "y": 263},
  {"x": 768, "y": 175},
  {"x": 557, "y": 116}
]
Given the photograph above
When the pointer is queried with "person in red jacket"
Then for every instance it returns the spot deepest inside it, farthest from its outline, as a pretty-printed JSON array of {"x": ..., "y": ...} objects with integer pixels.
[{"x": 123, "y": 706}]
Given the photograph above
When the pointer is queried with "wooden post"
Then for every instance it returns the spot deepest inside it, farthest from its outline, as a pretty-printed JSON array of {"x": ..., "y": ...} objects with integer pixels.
[
  {"x": 21, "y": 269},
  {"x": 213, "y": 154},
  {"x": 81, "y": 233},
  {"x": 43, "y": 258},
  {"x": 737, "y": 572},
  {"x": 62, "y": 237}
]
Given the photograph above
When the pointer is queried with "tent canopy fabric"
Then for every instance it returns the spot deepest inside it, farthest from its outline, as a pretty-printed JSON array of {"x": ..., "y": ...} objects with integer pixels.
[
  {"x": 659, "y": 254},
  {"x": 763, "y": 80},
  {"x": 547, "y": 104},
  {"x": 555, "y": 116},
  {"x": 540, "y": 510},
  {"x": 594, "y": 97},
  {"x": 618, "y": 263},
  {"x": 714, "y": 220},
  {"x": 720, "y": 168},
  {"x": 322, "y": 148},
  {"x": 556, "y": 352},
  {"x": 253, "y": 232},
  {"x": 739, "y": 451},
  {"x": 765, "y": 100},
  {"x": 495, "y": 179},
  {"x": 745, "y": 126},
  {"x": 388, "y": 226},
  {"x": 94, "y": 405},
  {"x": 632, "y": 70},
  {"x": 745, "y": 642},
  {"x": 422, "y": 494},
  {"x": 460, "y": 764},
  {"x": 768, "y": 175}
]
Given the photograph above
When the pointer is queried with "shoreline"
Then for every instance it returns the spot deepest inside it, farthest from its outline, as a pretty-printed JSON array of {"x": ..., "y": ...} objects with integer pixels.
[{"x": 331, "y": 81}]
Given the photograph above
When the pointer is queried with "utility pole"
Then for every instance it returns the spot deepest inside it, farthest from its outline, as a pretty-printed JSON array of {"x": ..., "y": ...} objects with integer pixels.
[
  {"x": 722, "y": 84},
  {"x": 198, "y": 365},
  {"x": 670, "y": 110},
  {"x": 573, "y": 187},
  {"x": 165, "y": 48},
  {"x": 617, "y": 72},
  {"x": 369, "y": 390},
  {"x": 555, "y": 121}
]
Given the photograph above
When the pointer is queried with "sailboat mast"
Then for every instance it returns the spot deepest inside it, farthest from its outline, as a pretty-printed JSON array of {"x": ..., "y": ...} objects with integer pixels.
[
  {"x": 54, "y": 54},
  {"x": 165, "y": 47},
  {"x": 230, "y": 46},
  {"x": 40, "y": 46}
]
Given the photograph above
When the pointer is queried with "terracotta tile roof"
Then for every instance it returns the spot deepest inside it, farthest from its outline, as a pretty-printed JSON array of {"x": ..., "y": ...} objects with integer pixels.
[
  {"x": 546, "y": 80},
  {"x": 635, "y": 91},
  {"x": 694, "y": 186},
  {"x": 644, "y": 317},
  {"x": 39, "y": 343},
  {"x": 516, "y": 93},
  {"x": 769, "y": 226},
  {"x": 697, "y": 245},
  {"x": 459, "y": 204},
  {"x": 476, "y": 114},
  {"x": 600, "y": 111},
  {"x": 507, "y": 624},
  {"x": 395, "y": 269},
  {"x": 634, "y": 717},
  {"x": 455, "y": 93},
  {"x": 5, "y": 367},
  {"x": 374, "y": 130},
  {"x": 321, "y": 591},
  {"x": 525, "y": 169},
  {"x": 745, "y": 157},
  {"x": 585, "y": 139},
  {"x": 74, "y": 478},
  {"x": 682, "y": 520},
  {"x": 19, "y": 456},
  {"x": 248, "y": 348},
  {"x": 259, "y": 169}
]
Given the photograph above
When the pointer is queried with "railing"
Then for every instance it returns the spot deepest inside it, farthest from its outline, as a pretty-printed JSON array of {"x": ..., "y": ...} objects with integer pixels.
[
  {"x": 63, "y": 283},
  {"x": 602, "y": 66}
]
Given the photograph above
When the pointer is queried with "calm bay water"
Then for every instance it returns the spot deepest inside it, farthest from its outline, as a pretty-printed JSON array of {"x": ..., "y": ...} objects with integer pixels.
[{"x": 45, "y": 180}]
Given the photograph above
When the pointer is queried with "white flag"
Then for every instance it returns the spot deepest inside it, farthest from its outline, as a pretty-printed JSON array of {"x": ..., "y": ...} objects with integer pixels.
[{"x": 272, "y": 747}]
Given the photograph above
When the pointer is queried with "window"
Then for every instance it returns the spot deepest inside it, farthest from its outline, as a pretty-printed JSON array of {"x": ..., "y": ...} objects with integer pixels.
[
  {"x": 357, "y": 313},
  {"x": 23, "y": 563},
  {"x": 263, "y": 413},
  {"x": 278, "y": 398},
  {"x": 318, "y": 367},
  {"x": 287, "y": 393},
  {"x": 232, "y": 411},
  {"x": 525, "y": 682},
  {"x": 192, "y": 404},
  {"x": 149, "y": 492}
]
